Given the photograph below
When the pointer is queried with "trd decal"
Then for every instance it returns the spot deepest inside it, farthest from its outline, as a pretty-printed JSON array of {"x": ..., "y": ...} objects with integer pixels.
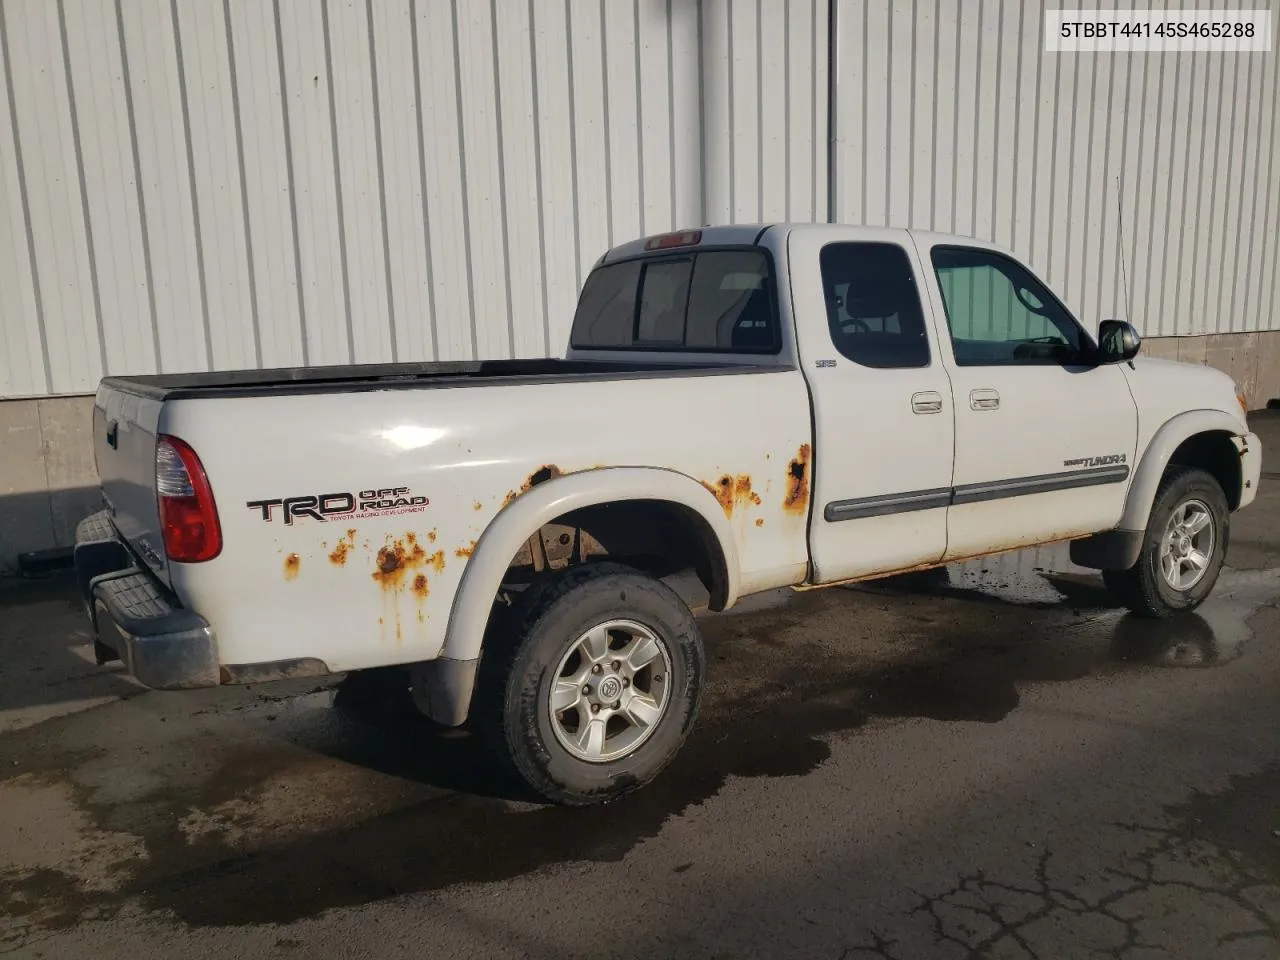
[
  {"x": 1096, "y": 461},
  {"x": 386, "y": 501}
]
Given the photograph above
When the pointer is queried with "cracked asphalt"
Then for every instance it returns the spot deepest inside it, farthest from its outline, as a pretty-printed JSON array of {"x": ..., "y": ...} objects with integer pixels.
[{"x": 992, "y": 763}]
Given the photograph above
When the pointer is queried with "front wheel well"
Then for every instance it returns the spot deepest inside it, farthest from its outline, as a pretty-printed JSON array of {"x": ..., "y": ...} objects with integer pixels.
[
  {"x": 657, "y": 537},
  {"x": 1214, "y": 453}
]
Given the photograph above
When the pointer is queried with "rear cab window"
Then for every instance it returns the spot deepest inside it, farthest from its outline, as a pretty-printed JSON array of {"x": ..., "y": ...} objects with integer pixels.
[{"x": 709, "y": 301}]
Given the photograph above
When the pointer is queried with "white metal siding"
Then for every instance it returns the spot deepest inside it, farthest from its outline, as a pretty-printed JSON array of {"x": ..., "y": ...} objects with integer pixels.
[
  {"x": 1151, "y": 171},
  {"x": 212, "y": 184}
]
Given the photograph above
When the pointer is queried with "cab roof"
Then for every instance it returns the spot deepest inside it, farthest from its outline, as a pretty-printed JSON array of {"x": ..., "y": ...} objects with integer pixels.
[{"x": 750, "y": 234}]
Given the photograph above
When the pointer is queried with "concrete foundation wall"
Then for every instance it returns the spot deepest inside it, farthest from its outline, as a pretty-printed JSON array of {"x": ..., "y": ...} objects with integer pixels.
[
  {"x": 48, "y": 481},
  {"x": 47, "y": 477}
]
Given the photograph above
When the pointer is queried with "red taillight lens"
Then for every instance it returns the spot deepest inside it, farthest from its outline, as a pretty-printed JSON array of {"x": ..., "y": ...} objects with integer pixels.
[{"x": 188, "y": 515}]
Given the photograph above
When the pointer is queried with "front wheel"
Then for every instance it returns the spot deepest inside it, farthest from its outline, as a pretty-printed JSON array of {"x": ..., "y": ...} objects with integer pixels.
[
  {"x": 596, "y": 686},
  {"x": 1183, "y": 547}
]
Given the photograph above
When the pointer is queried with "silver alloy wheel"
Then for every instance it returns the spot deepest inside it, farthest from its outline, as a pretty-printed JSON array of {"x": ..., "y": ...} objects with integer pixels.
[
  {"x": 610, "y": 691},
  {"x": 1187, "y": 545}
]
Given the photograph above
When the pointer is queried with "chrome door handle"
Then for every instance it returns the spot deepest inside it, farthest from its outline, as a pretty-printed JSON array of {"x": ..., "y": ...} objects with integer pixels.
[
  {"x": 984, "y": 399},
  {"x": 928, "y": 401}
]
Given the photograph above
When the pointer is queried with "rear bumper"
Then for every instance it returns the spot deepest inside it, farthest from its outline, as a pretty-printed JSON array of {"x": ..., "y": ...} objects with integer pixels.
[{"x": 163, "y": 645}]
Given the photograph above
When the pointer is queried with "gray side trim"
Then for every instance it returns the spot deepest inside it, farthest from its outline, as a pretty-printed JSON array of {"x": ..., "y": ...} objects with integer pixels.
[
  {"x": 882, "y": 505},
  {"x": 1045, "y": 483},
  {"x": 885, "y": 504}
]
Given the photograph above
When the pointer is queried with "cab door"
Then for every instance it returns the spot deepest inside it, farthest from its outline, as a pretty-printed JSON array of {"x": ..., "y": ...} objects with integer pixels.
[
  {"x": 883, "y": 419},
  {"x": 1044, "y": 435}
]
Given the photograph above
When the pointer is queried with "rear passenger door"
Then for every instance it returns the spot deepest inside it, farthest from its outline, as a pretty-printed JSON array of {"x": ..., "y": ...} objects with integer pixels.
[{"x": 883, "y": 420}]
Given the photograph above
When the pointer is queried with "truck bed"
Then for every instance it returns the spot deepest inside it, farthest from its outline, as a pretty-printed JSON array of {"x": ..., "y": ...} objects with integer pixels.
[{"x": 388, "y": 376}]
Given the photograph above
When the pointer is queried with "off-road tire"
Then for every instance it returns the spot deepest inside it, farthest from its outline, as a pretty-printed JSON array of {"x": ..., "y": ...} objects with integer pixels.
[
  {"x": 519, "y": 661},
  {"x": 1142, "y": 588}
]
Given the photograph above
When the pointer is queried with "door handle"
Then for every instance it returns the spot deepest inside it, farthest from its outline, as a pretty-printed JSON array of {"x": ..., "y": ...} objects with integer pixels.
[
  {"x": 985, "y": 399},
  {"x": 928, "y": 401}
]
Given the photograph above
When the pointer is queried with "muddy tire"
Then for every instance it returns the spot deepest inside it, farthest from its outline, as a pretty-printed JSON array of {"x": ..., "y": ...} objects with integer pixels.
[
  {"x": 1182, "y": 549},
  {"x": 592, "y": 683}
]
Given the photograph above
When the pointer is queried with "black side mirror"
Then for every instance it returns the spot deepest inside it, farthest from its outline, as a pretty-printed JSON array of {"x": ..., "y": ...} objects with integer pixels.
[{"x": 1118, "y": 341}]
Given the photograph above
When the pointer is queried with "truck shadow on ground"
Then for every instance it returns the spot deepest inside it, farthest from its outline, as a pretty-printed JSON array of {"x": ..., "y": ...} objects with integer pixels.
[
  {"x": 484, "y": 830},
  {"x": 785, "y": 685},
  {"x": 48, "y": 671}
]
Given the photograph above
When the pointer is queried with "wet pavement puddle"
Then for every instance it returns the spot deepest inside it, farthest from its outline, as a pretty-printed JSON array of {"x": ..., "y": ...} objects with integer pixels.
[{"x": 289, "y": 806}]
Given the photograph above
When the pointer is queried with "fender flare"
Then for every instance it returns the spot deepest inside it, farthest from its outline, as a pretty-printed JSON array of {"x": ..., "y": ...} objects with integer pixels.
[
  {"x": 515, "y": 523},
  {"x": 1170, "y": 436}
]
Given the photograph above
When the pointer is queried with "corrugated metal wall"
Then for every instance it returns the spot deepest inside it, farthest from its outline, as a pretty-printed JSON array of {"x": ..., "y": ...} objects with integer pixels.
[
  {"x": 210, "y": 184},
  {"x": 1152, "y": 172}
]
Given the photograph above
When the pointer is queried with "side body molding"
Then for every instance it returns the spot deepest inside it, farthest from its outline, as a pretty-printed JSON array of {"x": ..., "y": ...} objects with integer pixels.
[
  {"x": 503, "y": 537},
  {"x": 1142, "y": 490}
]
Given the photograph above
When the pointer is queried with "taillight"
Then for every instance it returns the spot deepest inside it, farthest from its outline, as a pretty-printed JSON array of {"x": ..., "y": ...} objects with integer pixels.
[{"x": 188, "y": 515}]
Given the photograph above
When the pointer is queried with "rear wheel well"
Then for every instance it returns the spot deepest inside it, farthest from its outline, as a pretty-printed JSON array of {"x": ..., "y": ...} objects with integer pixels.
[
  {"x": 1214, "y": 453},
  {"x": 657, "y": 537}
]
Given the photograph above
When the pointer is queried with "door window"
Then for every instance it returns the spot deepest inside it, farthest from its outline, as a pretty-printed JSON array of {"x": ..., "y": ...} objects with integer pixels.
[
  {"x": 873, "y": 306},
  {"x": 999, "y": 314}
]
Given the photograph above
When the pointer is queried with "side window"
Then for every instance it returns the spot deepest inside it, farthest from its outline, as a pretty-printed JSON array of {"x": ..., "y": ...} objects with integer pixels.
[
  {"x": 873, "y": 305},
  {"x": 999, "y": 314}
]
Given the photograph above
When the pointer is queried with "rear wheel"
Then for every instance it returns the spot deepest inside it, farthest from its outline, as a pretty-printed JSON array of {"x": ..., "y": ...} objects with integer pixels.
[
  {"x": 595, "y": 685},
  {"x": 1182, "y": 549}
]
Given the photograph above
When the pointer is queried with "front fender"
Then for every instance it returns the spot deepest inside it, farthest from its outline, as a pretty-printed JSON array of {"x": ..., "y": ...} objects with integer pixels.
[
  {"x": 1155, "y": 459},
  {"x": 482, "y": 577}
]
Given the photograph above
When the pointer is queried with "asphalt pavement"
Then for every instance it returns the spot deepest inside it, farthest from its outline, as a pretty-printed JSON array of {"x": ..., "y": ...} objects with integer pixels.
[{"x": 991, "y": 763}]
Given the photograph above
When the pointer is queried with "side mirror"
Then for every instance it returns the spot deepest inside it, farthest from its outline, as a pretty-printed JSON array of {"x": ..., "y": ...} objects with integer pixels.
[{"x": 1118, "y": 341}]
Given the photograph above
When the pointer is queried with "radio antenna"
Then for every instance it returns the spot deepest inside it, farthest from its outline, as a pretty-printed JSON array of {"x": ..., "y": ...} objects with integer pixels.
[{"x": 1124, "y": 279}]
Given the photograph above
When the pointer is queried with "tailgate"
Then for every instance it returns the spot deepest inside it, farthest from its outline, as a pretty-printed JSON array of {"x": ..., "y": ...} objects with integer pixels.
[{"x": 124, "y": 445}]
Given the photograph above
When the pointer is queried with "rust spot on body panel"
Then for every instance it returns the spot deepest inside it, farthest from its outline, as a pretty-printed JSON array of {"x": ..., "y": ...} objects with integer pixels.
[
  {"x": 342, "y": 549},
  {"x": 759, "y": 521},
  {"x": 477, "y": 505},
  {"x": 399, "y": 570},
  {"x": 796, "y": 500},
  {"x": 431, "y": 536},
  {"x": 548, "y": 471},
  {"x": 733, "y": 492},
  {"x": 395, "y": 558},
  {"x": 292, "y": 563},
  {"x": 463, "y": 552}
]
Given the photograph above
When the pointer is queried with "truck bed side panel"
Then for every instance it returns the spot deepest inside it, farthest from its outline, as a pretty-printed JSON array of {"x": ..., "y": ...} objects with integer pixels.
[{"x": 375, "y": 586}]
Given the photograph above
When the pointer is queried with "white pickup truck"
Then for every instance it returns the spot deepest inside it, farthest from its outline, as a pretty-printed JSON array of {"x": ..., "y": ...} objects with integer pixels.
[{"x": 762, "y": 406}]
